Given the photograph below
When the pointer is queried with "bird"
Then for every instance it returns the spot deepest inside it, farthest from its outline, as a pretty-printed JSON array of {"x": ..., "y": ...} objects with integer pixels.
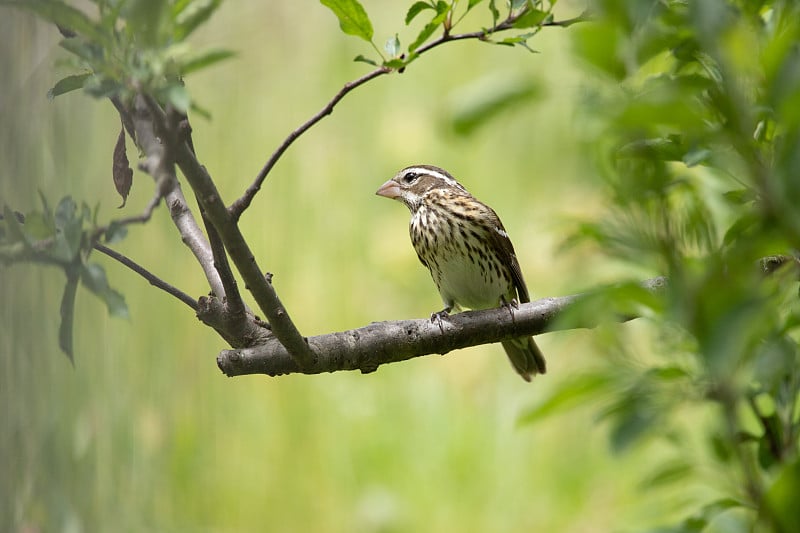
[{"x": 463, "y": 244}]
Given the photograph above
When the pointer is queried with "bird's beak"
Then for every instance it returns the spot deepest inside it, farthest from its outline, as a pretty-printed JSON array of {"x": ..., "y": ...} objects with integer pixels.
[{"x": 390, "y": 189}]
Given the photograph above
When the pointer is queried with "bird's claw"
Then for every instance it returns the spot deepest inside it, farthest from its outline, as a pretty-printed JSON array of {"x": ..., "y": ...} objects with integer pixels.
[
  {"x": 510, "y": 306},
  {"x": 436, "y": 318}
]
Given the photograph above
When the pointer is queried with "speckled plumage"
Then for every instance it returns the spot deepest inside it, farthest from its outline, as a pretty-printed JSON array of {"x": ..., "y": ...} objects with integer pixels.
[{"x": 465, "y": 247}]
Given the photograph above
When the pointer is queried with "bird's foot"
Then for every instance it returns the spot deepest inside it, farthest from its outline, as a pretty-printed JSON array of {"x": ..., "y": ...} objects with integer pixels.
[
  {"x": 436, "y": 318},
  {"x": 511, "y": 306}
]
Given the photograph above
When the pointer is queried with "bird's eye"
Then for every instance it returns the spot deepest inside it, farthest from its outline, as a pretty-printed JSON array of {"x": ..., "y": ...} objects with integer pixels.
[{"x": 410, "y": 178}]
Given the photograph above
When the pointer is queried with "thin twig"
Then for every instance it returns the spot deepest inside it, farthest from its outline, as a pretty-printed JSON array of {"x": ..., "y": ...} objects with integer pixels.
[
  {"x": 150, "y": 277},
  {"x": 237, "y": 207},
  {"x": 142, "y": 218},
  {"x": 241, "y": 204}
]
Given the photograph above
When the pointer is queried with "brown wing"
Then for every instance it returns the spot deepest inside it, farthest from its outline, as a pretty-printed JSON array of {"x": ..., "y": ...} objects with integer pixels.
[{"x": 505, "y": 250}]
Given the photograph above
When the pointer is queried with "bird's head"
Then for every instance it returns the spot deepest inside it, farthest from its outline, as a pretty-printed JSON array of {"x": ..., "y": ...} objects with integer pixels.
[{"x": 413, "y": 183}]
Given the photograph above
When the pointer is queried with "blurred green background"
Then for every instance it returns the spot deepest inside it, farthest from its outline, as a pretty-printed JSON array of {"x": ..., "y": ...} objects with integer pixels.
[{"x": 145, "y": 433}]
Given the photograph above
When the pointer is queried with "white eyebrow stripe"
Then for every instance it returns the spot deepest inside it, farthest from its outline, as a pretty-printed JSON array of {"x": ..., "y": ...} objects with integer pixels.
[{"x": 437, "y": 174}]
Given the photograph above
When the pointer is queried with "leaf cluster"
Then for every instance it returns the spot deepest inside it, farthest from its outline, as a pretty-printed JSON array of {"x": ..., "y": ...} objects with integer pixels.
[
  {"x": 525, "y": 16},
  {"x": 63, "y": 237},
  {"x": 694, "y": 130},
  {"x": 130, "y": 46}
]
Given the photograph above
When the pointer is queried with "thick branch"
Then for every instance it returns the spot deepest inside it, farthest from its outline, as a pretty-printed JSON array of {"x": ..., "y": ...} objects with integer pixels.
[
  {"x": 379, "y": 343},
  {"x": 157, "y": 163},
  {"x": 159, "y": 136},
  {"x": 281, "y": 323},
  {"x": 232, "y": 297}
]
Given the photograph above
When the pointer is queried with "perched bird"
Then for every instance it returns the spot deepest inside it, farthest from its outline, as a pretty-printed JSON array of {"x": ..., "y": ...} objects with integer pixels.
[{"x": 467, "y": 250}]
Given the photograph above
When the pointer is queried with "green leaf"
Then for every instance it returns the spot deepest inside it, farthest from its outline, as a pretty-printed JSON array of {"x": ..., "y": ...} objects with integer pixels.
[
  {"x": 781, "y": 498},
  {"x": 495, "y": 13},
  {"x": 395, "y": 63},
  {"x": 68, "y": 84},
  {"x": 101, "y": 87},
  {"x": 115, "y": 232},
  {"x": 667, "y": 474},
  {"x": 518, "y": 40},
  {"x": 205, "y": 59},
  {"x": 632, "y": 416},
  {"x": 599, "y": 45},
  {"x": 178, "y": 97},
  {"x": 415, "y": 9},
  {"x": 363, "y": 59},
  {"x": 93, "y": 277},
  {"x": 151, "y": 22},
  {"x": 740, "y": 196},
  {"x": 353, "y": 20},
  {"x": 442, "y": 8},
  {"x": 698, "y": 522},
  {"x": 531, "y": 18},
  {"x": 81, "y": 48},
  {"x": 697, "y": 156},
  {"x": 200, "y": 111},
  {"x": 742, "y": 226},
  {"x": 67, "y": 311},
  {"x": 426, "y": 32},
  {"x": 115, "y": 303},
  {"x": 574, "y": 392},
  {"x": 486, "y": 98},
  {"x": 191, "y": 15},
  {"x": 62, "y": 15},
  {"x": 65, "y": 212},
  {"x": 68, "y": 231}
]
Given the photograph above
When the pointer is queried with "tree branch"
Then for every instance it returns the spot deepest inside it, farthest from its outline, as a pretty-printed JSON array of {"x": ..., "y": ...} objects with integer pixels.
[
  {"x": 159, "y": 136},
  {"x": 233, "y": 298},
  {"x": 380, "y": 343},
  {"x": 157, "y": 164},
  {"x": 238, "y": 206},
  {"x": 146, "y": 274},
  {"x": 281, "y": 323}
]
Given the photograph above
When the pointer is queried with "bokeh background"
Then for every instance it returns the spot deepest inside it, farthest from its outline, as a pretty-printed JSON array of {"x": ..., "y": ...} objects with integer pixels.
[{"x": 145, "y": 434}]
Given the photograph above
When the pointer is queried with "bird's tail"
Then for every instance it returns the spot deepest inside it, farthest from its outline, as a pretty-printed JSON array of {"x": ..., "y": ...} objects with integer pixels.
[{"x": 525, "y": 356}]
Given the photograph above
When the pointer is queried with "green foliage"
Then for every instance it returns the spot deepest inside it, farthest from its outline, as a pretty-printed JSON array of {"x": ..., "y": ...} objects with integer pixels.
[
  {"x": 695, "y": 131},
  {"x": 352, "y": 18},
  {"x": 62, "y": 237},
  {"x": 131, "y": 46},
  {"x": 444, "y": 16},
  {"x": 488, "y": 97}
]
